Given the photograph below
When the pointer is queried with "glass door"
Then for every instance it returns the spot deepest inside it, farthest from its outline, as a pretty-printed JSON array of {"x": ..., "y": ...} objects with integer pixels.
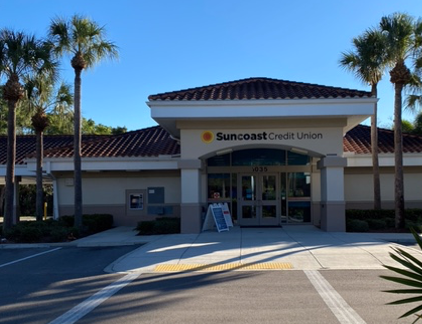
[{"x": 257, "y": 205}]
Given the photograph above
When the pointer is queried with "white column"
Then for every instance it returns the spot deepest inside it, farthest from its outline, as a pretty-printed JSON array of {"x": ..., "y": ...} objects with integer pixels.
[
  {"x": 190, "y": 207},
  {"x": 333, "y": 215}
]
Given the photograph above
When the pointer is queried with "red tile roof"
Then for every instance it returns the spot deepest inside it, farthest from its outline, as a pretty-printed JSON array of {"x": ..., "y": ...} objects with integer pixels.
[
  {"x": 260, "y": 88},
  {"x": 152, "y": 141},
  {"x": 155, "y": 141},
  {"x": 25, "y": 145},
  {"x": 358, "y": 140}
]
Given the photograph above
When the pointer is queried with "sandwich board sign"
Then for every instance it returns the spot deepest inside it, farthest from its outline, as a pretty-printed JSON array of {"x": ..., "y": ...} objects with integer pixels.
[
  {"x": 227, "y": 214},
  {"x": 215, "y": 216}
]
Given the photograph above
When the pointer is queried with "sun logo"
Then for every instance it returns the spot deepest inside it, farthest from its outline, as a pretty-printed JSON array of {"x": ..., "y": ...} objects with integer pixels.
[{"x": 207, "y": 137}]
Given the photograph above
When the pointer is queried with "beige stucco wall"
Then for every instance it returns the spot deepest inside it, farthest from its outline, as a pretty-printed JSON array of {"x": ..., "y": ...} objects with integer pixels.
[
  {"x": 317, "y": 136},
  {"x": 359, "y": 187},
  {"x": 109, "y": 188},
  {"x": 106, "y": 192}
]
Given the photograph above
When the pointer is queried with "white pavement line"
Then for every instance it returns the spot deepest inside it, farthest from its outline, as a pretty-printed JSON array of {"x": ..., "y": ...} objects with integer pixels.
[
  {"x": 336, "y": 303},
  {"x": 90, "y": 303},
  {"x": 29, "y": 257}
]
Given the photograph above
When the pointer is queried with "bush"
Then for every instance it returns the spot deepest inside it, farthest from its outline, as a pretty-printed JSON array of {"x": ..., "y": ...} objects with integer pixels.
[
  {"x": 145, "y": 227},
  {"x": 97, "y": 222},
  {"x": 59, "y": 234},
  {"x": 357, "y": 225},
  {"x": 377, "y": 224},
  {"x": 93, "y": 223},
  {"x": 162, "y": 225},
  {"x": 57, "y": 231},
  {"x": 30, "y": 234}
]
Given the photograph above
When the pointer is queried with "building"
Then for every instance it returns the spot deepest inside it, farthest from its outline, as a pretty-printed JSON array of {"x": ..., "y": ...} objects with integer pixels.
[{"x": 278, "y": 152}]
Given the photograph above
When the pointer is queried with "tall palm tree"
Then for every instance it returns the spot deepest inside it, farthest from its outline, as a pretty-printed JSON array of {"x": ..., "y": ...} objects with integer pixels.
[
  {"x": 42, "y": 97},
  {"x": 368, "y": 61},
  {"x": 20, "y": 55},
  {"x": 85, "y": 41},
  {"x": 402, "y": 37}
]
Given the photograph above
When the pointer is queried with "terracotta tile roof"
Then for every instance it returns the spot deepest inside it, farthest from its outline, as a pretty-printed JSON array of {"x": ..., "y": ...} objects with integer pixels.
[
  {"x": 260, "y": 88},
  {"x": 152, "y": 141},
  {"x": 155, "y": 141},
  {"x": 358, "y": 140}
]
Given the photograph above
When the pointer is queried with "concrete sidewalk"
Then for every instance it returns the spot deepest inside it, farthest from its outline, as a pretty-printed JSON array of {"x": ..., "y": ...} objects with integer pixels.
[
  {"x": 297, "y": 247},
  {"x": 300, "y": 247}
]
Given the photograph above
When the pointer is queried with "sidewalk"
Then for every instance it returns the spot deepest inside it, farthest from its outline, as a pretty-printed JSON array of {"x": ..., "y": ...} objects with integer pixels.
[
  {"x": 296, "y": 247},
  {"x": 291, "y": 247}
]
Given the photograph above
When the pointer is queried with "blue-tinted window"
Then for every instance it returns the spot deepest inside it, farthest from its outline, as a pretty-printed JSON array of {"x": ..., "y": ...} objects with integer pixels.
[
  {"x": 297, "y": 159},
  {"x": 259, "y": 157}
]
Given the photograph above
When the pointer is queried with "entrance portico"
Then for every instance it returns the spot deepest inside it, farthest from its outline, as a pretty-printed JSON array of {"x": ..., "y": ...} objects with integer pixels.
[{"x": 308, "y": 121}]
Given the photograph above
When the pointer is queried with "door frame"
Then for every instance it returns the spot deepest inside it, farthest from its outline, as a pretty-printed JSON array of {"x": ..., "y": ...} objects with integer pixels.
[{"x": 257, "y": 202}]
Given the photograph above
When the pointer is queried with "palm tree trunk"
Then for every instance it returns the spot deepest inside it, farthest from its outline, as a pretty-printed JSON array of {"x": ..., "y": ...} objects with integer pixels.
[
  {"x": 77, "y": 150},
  {"x": 374, "y": 146},
  {"x": 398, "y": 157},
  {"x": 10, "y": 169},
  {"x": 40, "y": 193}
]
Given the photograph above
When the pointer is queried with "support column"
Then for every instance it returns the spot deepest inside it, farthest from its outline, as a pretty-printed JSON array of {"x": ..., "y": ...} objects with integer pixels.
[
  {"x": 333, "y": 206},
  {"x": 190, "y": 207}
]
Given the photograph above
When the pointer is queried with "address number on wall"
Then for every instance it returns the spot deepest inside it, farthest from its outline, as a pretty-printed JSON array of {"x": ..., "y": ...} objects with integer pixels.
[{"x": 259, "y": 169}]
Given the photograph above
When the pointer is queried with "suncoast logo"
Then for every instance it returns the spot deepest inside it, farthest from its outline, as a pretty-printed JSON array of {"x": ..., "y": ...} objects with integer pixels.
[{"x": 207, "y": 137}]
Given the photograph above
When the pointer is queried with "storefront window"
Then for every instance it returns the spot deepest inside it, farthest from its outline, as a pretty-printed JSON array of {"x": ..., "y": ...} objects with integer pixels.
[
  {"x": 218, "y": 186},
  {"x": 299, "y": 201},
  {"x": 297, "y": 159},
  {"x": 219, "y": 160},
  {"x": 259, "y": 157}
]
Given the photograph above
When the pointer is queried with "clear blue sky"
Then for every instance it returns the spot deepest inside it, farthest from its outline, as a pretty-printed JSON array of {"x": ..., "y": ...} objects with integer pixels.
[{"x": 168, "y": 45}]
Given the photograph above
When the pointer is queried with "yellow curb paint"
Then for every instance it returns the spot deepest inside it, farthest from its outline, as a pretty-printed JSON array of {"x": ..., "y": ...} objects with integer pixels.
[{"x": 222, "y": 267}]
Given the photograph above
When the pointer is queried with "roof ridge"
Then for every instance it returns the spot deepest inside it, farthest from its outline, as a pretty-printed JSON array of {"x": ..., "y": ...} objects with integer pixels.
[{"x": 276, "y": 89}]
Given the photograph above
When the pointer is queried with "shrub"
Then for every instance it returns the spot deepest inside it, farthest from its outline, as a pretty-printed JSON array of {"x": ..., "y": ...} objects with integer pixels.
[
  {"x": 97, "y": 222},
  {"x": 145, "y": 227},
  {"x": 59, "y": 234},
  {"x": 357, "y": 225},
  {"x": 30, "y": 234},
  {"x": 66, "y": 221},
  {"x": 167, "y": 225},
  {"x": 377, "y": 224},
  {"x": 162, "y": 225},
  {"x": 93, "y": 223}
]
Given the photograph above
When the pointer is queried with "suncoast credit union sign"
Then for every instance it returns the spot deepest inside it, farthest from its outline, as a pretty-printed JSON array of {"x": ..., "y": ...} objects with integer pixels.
[{"x": 209, "y": 136}]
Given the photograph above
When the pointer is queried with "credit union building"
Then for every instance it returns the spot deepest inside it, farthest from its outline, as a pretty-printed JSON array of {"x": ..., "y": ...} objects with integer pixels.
[{"x": 277, "y": 152}]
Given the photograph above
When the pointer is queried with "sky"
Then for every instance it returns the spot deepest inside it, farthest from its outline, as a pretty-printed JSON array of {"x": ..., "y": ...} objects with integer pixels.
[{"x": 169, "y": 45}]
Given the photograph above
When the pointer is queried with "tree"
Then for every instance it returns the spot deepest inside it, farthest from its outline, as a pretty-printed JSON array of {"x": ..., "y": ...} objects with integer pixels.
[
  {"x": 85, "y": 41},
  {"x": 42, "y": 96},
  {"x": 368, "y": 61},
  {"x": 20, "y": 55},
  {"x": 402, "y": 38}
]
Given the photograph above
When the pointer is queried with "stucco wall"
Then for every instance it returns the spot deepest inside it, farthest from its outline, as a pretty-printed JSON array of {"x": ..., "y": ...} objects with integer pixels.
[
  {"x": 107, "y": 193},
  {"x": 359, "y": 187}
]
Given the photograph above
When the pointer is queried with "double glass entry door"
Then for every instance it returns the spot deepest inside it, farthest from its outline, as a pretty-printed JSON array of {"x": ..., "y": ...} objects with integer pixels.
[{"x": 258, "y": 201}]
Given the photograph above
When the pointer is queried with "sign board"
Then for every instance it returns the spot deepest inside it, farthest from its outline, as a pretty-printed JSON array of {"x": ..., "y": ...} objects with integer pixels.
[
  {"x": 227, "y": 215},
  {"x": 215, "y": 213}
]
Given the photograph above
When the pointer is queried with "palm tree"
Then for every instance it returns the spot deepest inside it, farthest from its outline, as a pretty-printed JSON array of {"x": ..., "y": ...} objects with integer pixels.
[
  {"x": 402, "y": 37},
  {"x": 42, "y": 97},
  {"x": 85, "y": 41},
  {"x": 20, "y": 55},
  {"x": 368, "y": 61}
]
